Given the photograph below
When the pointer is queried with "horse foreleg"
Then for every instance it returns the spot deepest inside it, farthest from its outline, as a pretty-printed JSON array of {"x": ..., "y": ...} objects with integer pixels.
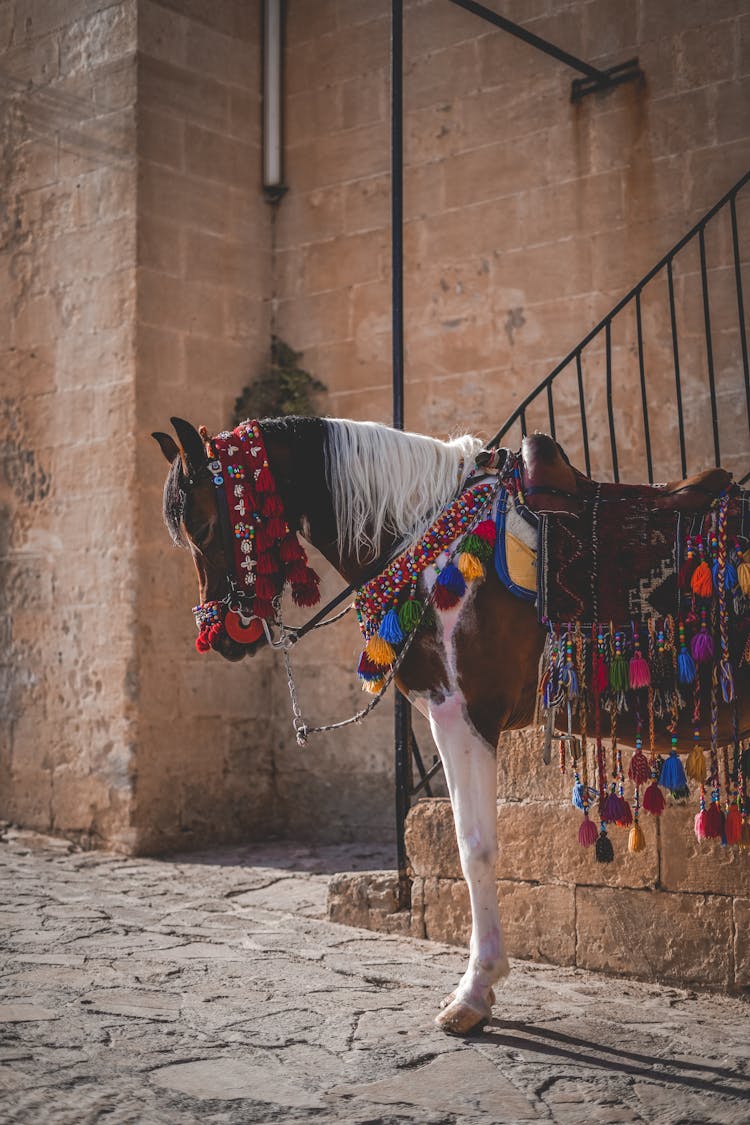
[{"x": 470, "y": 771}]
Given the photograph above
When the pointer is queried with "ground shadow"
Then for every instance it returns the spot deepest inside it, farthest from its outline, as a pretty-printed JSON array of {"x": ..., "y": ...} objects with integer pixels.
[{"x": 520, "y": 1035}]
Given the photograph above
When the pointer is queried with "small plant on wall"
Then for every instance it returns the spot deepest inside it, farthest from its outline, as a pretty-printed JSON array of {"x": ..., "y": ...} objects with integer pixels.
[{"x": 283, "y": 388}]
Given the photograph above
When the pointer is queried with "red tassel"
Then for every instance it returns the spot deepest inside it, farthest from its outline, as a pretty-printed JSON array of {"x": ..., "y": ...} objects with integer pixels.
[
  {"x": 486, "y": 531},
  {"x": 687, "y": 571},
  {"x": 296, "y": 573},
  {"x": 267, "y": 564},
  {"x": 202, "y": 642},
  {"x": 272, "y": 505},
  {"x": 625, "y": 819},
  {"x": 653, "y": 800},
  {"x": 600, "y": 675},
  {"x": 264, "y": 483},
  {"x": 277, "y": 527},
  {"x": 306, "y": 595},
  {"x": 265, "y": 588},
  {"x": 263, "y": 539},
  {"x": 445, "y": 598},
  {"x": 639, "y": 770},
  {"x": 733, "y": 826},
  {"x": 290, "y": 550},
  {"x": 588, "y": 833},
  {"x": 714, "y": 821}
]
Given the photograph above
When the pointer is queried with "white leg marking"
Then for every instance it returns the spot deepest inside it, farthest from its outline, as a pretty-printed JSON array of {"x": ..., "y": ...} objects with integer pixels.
[{"x": 472, "y": 782}]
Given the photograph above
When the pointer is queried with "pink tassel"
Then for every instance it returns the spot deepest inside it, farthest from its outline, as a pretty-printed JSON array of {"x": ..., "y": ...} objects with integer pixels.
[
  {"x": 701, "y": 826},
  {"x": 640, "y": 673}
]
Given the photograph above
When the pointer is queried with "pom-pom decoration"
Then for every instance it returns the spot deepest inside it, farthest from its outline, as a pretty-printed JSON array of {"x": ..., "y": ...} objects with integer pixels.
[
  {"x": 653, "y": 800},
  {"x": 587, "y": 833}
]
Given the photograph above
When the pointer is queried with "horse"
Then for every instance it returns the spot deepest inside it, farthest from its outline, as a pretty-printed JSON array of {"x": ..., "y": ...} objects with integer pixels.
[{"x": 363, "y": 494}]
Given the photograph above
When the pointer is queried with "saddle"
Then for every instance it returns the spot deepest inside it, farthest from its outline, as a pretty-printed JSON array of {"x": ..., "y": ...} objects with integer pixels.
[{"x": 551, "y": 484}]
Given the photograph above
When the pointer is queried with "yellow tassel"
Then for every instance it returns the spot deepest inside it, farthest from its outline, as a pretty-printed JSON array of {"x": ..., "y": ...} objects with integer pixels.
[
  {"x": 373, "y": 686},
  {"x": 470, "y": 566},
  {"x": 743, "y": 574},
  {"x": 380, "y": 651},
  {"x": 636, "y": 839},
  {"x": 745, "y": 836},
  {"x": 695, "y": 766}
]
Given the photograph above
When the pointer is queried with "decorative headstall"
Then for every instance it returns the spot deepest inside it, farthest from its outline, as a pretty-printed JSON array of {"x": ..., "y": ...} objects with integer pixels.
[{"x": 262, "y": 553}]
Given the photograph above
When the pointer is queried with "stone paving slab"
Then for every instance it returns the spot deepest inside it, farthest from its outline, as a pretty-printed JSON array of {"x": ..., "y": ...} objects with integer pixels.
[{"x": 211, "y": 989}]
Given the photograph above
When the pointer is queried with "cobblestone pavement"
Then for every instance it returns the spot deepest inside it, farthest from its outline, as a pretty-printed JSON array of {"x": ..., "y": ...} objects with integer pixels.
[{"x": 211, "y": 988}]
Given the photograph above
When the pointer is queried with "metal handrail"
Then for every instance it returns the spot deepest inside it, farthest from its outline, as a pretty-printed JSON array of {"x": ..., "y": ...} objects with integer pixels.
[{"x": 544, "y": 388}]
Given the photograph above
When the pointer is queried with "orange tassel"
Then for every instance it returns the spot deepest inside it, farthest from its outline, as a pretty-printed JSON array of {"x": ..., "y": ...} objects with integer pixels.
[{"x": 702, "y": 583}]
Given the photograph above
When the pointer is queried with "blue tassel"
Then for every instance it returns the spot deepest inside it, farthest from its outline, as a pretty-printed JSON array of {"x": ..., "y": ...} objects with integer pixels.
[
  {"x": 730, "y": 576},
  {"x": 569, "y": 680},
  {"x": 453, "y": 579},
  {"x": 685, "y": 668},
  {"x": 390, "y": 630},
  {"x": 578, "y": 792},
  {"x": 672, "y": 774}
]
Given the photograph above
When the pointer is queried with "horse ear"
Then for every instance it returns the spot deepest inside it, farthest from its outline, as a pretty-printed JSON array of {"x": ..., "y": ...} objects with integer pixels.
[
  {"x": 193, "y": 450},
  {"x": 168, "y": 445}
]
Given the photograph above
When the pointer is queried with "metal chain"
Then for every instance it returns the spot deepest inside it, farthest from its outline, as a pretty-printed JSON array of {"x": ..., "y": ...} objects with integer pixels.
[{"x": 301, "y": 729}]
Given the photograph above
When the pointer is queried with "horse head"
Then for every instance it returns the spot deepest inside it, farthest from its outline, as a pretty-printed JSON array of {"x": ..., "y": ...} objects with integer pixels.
[{"x": 222, "y": 503}]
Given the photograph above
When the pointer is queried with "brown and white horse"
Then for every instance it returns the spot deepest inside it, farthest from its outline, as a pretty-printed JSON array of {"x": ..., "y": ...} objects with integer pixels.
[{"x": 358, "y": 491}]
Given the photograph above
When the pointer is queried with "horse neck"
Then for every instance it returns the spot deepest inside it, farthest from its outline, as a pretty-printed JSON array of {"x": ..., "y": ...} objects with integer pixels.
[{"x": 296, "y": 454}]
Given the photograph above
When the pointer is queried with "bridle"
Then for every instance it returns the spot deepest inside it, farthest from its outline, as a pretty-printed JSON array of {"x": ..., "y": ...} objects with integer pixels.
[{"x": 261, "y": 551}]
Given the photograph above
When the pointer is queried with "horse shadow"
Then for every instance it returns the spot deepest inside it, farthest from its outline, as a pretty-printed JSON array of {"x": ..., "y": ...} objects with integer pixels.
[{"x": 520, "y": 1035}]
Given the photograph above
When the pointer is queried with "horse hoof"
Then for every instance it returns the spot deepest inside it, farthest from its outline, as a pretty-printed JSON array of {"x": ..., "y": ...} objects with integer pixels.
[
  {"x": 452, "y": 996},
  {"x": 459, "y": 1018}
]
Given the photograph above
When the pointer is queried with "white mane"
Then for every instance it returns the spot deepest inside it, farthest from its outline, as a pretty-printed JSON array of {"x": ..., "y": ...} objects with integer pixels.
[{"x": 388, "y": 481}]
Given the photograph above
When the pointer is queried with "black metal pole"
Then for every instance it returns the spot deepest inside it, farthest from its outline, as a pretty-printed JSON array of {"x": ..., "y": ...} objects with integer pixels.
[{"x": 402, "y": 719}]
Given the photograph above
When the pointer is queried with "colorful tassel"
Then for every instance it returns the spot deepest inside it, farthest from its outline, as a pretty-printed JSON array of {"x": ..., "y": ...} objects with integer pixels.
[
  {"x": 202, "y": 643},
  {"x": 473, "y": 545},
  {"x": 636, "y": 839},
  {"x": 265, "y": 587},
  {"x": 390, "y": 630},
  {"x": 639, "y": 770},
  {"x": 306, "y": 595},
  {"x": 367, "y": 669},
  {"x": 702, "y": 644},
  {"x": 653, "y": 800},
  {"x": 695, "y": 766},
  {"x": 625, "y": 817},
  {"x": 263, "y": 608},
  {"x": 264, "y": 480},
  {"x": 486, "y": 530},
  {"x": 743, "y": 574},
  {"x": 639, "y": 671},
  {"x": 444, "y": 598},
  {"x": 452, "y": 579},
  {"x": 733, "y": 826},
  {"x": 373, "y": 686},
  {"x": 587, "y": 833},
  {"x": 702, "y": 583},
  {"x": 470, "y": 566},
  {"x": 672, "y": 774},
  {"x": 714, "y": 821},
  {"x": 410, "y": 615},
  {"x": 380, "y": 652},
  {"x": 290, "y": 550},
  {"x": 701, "y": 825},
  {"x": 605, "y": 853}
]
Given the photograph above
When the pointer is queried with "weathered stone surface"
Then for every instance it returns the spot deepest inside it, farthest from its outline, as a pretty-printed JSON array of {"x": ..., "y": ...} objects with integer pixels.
[
  {"x": 742, "y": 942},
  {"x": 689, "y": 864},
  {"x": 317, "y": 1019},
  {"x": 431, "y": 839},
  {"x": 684, "y": 938},
  {"x": 539, "y": 921},
  {"x": 368, "y": 899}
]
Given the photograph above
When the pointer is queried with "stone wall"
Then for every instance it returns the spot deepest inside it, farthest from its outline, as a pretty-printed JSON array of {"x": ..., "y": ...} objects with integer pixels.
[
  {"x": 144, "y": 273},
  {"x": 677, "y": 911},
  {"x": 67, "y": 404},
  {"x": 202, "y": 332}
]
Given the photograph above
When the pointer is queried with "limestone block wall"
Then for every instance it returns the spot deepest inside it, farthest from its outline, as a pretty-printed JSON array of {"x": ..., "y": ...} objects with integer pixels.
[
  {"x": 677, "y": 911},
  {"x": 67, "y": 410},
  {"x": 204, "y": 764},
  {"x": 526, "y": 218}
]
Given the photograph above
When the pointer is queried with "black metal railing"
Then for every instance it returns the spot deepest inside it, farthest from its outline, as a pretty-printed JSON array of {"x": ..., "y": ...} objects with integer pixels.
[{"x": 669, "y": 287}]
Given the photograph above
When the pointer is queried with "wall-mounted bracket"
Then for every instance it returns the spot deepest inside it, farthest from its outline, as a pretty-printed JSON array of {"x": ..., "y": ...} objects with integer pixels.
[{"x": 628, "y": 71}]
